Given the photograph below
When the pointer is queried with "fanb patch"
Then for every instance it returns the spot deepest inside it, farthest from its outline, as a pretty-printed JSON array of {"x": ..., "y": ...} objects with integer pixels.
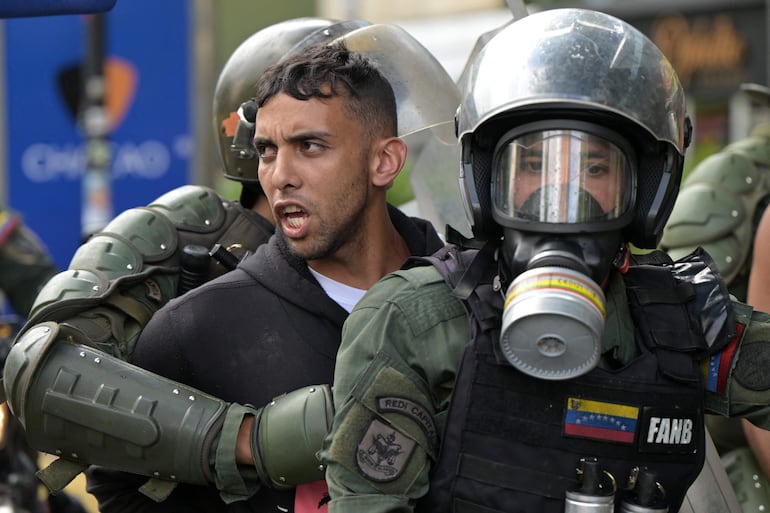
[
  {"x": 383, "y": 452},
  {"x": 670, "y": 430}
]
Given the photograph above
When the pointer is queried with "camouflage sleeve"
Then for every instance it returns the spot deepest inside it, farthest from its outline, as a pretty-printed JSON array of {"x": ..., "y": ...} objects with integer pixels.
[
  {"x": 737, "y": 379},
  {"x": 395, "y": 371}
]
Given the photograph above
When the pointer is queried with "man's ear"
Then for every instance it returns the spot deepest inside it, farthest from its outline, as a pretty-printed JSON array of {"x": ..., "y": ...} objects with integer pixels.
[{"x": 389, "y": 158}]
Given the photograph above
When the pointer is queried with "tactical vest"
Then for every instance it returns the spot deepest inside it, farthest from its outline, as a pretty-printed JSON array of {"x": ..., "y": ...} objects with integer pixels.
[{"x": 512, "y": 442}]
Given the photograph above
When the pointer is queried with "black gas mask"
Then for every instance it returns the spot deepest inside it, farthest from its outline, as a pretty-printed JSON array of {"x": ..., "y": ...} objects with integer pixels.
[{"x": 562, "y": 196}]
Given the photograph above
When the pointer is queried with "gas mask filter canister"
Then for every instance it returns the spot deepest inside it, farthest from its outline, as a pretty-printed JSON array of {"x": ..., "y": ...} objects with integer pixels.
[{"x": 553, "y": 321}]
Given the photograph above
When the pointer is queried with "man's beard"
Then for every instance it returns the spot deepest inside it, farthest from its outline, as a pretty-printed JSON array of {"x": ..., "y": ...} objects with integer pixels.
[{"x": 328, "y": 240}]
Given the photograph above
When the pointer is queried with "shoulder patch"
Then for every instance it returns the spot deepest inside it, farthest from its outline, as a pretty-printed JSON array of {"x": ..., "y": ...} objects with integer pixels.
[
  {"x": 383, "y": 452},
  {"x": 412, "y": 409}
]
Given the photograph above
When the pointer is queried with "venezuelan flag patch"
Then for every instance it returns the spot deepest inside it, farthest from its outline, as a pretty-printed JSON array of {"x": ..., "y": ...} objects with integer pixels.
[
  {"x": 716, "y": 368},
  {"x": 600, "y": 420}
]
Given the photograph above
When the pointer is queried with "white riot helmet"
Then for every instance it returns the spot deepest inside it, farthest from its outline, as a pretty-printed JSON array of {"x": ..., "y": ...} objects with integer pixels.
[
  {"x": 585, "y": 73},
  {"x": 573, "y": 131}
]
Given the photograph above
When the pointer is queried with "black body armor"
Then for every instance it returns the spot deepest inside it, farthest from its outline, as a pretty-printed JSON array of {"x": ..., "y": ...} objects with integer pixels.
[{"x": 513, "y": 442}]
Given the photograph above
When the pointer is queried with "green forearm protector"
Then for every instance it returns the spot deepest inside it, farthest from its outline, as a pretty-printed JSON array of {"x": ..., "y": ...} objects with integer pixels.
[
  {"x": 90, "y": 408},
  {"x": 288, "y": 434}
]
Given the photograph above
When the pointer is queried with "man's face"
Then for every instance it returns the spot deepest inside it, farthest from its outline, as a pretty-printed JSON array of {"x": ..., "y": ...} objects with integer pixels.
[
  {"x": 314, "y": 170},
  {"x": 562, "y": 176}
]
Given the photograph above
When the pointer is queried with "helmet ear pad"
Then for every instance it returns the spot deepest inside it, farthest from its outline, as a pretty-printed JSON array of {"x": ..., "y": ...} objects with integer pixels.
[
  {"x": 477, "y": 156},
  {"x": 477, "y": 173},
  {"x": 659, "y": 173}
]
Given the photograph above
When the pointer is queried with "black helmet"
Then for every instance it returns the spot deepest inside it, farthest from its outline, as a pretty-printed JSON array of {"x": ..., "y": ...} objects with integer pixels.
[
  {"x": 237, "y": 82},
  {"x": 589, "y": 73}
]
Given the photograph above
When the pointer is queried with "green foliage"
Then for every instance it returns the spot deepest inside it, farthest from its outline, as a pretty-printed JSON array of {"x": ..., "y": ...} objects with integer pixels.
[{"x": 401, "y": 191}]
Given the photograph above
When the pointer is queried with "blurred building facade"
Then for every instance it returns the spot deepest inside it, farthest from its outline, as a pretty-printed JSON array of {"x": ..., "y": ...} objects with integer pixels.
[{"x": 715, "y": 45}]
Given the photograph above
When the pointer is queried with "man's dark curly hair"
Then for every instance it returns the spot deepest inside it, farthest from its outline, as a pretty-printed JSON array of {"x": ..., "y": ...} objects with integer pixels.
[{"x": 326, "y": 71}]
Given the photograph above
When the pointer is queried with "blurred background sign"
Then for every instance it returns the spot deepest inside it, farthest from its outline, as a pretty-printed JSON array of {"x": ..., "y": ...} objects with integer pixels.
[{"x": 145, "y": 56}]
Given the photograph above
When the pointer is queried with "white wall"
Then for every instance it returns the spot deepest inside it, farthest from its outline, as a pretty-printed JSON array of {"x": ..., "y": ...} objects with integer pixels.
[{"x": 452, "y": 37}]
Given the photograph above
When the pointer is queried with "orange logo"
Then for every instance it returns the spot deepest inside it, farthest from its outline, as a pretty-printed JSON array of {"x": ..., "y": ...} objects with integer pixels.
[
  {"x": 230, "y": 124},
  {"x": 121, "y": 79}
]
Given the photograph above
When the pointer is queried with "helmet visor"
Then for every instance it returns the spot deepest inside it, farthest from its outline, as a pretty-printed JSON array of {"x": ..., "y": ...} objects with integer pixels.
[
  {"x": 426, "y": 96},
  {"x": 561, "y": 177}
]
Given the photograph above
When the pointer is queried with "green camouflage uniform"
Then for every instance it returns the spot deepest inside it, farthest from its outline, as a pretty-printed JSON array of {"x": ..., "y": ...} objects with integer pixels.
[{"x": 396, "y": 369}]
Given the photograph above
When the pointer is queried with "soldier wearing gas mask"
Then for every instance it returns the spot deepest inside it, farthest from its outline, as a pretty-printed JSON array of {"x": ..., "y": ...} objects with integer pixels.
[{"x": 543, "y": 365}]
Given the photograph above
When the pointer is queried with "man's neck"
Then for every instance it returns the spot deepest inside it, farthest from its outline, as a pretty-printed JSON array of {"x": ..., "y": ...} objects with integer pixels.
[{"x": 380, "y": 250}]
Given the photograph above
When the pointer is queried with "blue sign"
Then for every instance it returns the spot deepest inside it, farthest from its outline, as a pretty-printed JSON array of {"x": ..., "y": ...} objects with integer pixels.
[{"x": 148, "y": 90}]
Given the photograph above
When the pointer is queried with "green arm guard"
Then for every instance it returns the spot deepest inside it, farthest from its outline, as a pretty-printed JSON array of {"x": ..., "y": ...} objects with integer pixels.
[
  {"x": 285, "y": 440},
  {"x": 288, "y": 435},
  {"x": 90, "y": 408}
]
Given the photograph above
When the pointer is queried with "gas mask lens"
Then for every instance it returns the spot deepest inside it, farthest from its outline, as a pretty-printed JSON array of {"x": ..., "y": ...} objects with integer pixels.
[{"x": 560, "y": 176}]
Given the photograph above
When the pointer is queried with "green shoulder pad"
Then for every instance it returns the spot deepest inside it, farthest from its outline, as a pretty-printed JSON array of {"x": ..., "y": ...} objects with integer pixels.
[
  {"x": 703, "y": 212},
  {"x": 755, "y": 148},
  {"x": 106, "y": 261},
  {"x": 147, "y": 232},
  {"x": 89, "y": 408},
  {"x": 66, "y": 286},
  {"x": 193, "y": 208},
  {"x": 733, "y": 171},
  {"x": 715, "y": 210}
]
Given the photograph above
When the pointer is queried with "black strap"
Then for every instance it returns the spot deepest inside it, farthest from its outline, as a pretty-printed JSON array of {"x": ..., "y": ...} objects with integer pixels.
[{"x": 474, "y": 272}]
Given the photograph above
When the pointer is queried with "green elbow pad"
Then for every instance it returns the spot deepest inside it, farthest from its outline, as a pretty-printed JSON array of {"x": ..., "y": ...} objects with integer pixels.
[
  {"x": 289, "y": 434},
  {"x": 90, "y": 408}
]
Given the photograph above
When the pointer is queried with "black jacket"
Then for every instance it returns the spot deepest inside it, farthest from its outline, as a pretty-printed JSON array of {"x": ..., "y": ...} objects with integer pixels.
[{"x": 264, "y": 329}]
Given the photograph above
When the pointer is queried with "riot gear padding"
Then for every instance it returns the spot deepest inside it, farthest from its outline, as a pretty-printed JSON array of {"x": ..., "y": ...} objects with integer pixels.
[
  {"x": 238, "y": 80},
  {"x": 720, "y": 205},
  {"x": 289, "y": 429},
  {"x": 145, "y": 424},
  {"x": 579, "y": 65},
  {"x": 120, "y": 277},
  {"x": 712, "y": 211},
  {"x": 121, "y": 419}
]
